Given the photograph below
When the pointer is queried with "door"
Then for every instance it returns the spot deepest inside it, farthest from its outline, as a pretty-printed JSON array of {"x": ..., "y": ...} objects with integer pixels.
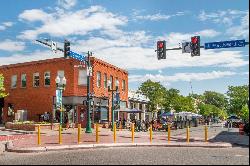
[
  {"x": 1, "y": 109},
  {"x": 82, "y": 115}
]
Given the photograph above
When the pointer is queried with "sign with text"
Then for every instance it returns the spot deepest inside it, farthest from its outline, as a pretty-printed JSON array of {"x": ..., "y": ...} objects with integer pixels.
[
  {"x": 77, "y": 56},
  {"x": 225, "y": 44}
]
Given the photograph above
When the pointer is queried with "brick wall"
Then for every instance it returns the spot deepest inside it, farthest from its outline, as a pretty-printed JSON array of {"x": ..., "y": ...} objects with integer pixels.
[{"x": 38, "y": 100}]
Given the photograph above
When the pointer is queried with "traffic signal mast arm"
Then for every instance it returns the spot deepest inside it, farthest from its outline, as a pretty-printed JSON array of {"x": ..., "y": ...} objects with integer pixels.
[
  {"x": 47, "y": 44},
  {"x": 179, "y": 48}
]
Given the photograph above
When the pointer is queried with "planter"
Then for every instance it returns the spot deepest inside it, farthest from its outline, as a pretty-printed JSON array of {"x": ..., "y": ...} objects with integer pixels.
[{"x": 30, "y": 127}]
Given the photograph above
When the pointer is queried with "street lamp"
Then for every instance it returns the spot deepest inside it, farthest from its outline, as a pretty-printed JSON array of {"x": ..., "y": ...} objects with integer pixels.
[
  {"x": 110, "y": 89},
  {"x": 60, "y": 85}
]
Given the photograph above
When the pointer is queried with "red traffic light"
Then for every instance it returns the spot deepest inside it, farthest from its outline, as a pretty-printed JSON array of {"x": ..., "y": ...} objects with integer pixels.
[
  {"x": 194, "y": 40},
  {"x": 160, "y": 44}
]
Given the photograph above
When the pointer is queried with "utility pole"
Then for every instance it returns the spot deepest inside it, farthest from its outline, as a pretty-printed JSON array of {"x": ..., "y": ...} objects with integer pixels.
[{"x": 88, "y": 126}]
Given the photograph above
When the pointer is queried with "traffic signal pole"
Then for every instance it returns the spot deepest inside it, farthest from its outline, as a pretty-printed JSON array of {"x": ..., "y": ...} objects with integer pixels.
[{"x": 88, "y": 126}]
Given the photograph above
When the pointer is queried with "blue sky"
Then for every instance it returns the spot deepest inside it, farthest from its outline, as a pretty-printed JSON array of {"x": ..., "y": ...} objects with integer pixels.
[{"x": 125, "y": 33}]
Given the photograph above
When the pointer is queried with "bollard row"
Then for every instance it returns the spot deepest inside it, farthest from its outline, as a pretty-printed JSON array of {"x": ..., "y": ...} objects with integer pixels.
[{"x": 114, "y": 133}]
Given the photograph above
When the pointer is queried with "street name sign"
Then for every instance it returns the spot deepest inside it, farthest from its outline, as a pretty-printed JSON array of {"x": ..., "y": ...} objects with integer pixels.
[
  {"x": 225, "y": 44},
  {"x": 77, "y": 56}
]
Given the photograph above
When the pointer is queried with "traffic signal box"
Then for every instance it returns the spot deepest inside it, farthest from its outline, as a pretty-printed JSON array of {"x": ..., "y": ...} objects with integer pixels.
[
  {"x": 66, "y": 48},
  {"x": 161, "y": 50},
  {"x": 195, "y": 46}
]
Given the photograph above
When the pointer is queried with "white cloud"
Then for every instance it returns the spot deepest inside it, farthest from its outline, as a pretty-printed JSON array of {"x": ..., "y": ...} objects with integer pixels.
[
  {"x": 73, "y": 23},
  {"x": 5, "y": 25},
  {"x": 242, "y": 30},
  {"x": 165, "y": 79},
  {"x": 34, "y": 56},
  {"x": 226, "y": 17},
  {"x": 67, "y": 4},
  {"x": 154, "y": 17},
  {"x": 35, "y": 15},
  {"x": 11, "y": 46}
]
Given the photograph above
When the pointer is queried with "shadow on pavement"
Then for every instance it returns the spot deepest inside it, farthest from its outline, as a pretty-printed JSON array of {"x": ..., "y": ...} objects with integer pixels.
[{"x": 232, "y": 137}]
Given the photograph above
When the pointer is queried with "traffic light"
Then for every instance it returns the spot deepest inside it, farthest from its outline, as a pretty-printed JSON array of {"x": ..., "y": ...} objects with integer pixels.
[
  {"x": 66, "y": 48},
  {"x": 161, "y": 50},
  {"x": 195, "y": 46}
]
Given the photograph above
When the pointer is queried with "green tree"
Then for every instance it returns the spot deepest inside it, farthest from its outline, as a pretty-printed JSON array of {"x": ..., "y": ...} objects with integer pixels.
[
  {"x": 238, "y": 97},
  {"x": 155, "y": 92},
  {"x": 2, "y": 89},
  {"x": 245, "y": 112},
  {"x": 212, "y": 110},
  {"x": 171, "y": 98},
  {"x": 215, "y": 98}
]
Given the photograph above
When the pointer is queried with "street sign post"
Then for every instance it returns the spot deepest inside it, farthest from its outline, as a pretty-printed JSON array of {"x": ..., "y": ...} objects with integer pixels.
[
  {"x": 225, "y": 44},
  {"x": 77, "y": 56}
]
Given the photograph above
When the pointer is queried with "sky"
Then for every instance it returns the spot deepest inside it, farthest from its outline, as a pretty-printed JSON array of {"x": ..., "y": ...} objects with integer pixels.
[{"x": 125, "y": 32}]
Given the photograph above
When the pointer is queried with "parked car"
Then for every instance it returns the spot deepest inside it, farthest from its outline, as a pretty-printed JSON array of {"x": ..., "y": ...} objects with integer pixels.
[
  {"x": 234, "y": 120},
  {"x": 246, "y": 128}
]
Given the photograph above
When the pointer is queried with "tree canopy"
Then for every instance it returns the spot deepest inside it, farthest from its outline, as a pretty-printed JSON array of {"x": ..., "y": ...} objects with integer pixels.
[
  {"x": 2, "y": 89},
  {"x": 210, "y": 103},
  {"x": 238, "y": 97}
]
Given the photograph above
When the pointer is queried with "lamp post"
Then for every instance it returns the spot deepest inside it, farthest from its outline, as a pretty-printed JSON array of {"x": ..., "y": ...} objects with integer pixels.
[
  {"x": 60, "y": 85},
  {"x": 110, "y": 89}
]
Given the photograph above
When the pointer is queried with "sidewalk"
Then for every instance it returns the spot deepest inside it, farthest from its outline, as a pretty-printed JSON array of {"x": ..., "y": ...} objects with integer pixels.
[{"x": 218, "y": 137}]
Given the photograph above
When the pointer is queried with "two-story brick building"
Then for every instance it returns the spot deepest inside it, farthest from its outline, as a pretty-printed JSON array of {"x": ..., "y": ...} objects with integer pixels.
[{"x": 32, "y": 87}]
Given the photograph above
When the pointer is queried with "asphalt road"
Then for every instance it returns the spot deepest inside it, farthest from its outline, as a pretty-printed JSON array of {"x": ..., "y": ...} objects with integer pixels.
[{"x": 142, "y": 155}]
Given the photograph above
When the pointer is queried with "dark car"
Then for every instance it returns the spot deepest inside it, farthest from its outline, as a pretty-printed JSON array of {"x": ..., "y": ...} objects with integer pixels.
[
  {"x": 246, "y": 128},
  {"x": 234, "y": 120}
]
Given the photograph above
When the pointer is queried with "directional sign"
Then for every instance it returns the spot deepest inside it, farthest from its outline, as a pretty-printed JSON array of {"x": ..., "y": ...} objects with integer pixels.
[
  {"x": 186, "y": 47},
  {"x": 77, "y": 56},
  {"x": 225, "y": 44}
]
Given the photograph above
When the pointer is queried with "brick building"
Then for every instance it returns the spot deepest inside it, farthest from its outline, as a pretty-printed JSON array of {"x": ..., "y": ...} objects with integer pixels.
[{"x": 31, "y": 86}]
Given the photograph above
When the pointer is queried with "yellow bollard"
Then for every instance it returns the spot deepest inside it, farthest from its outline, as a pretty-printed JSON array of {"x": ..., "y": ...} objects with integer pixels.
[
  {"x": 39, "y": 135},
  {"x": 133, "y": 132},
  {"x": 206, "y": 133},
  {"x": 169, "y": 130},
  {"x": 79, "y": 134},
  {"x": 150, "y": 133},
  {"x": 96, "y": 133},
  {"x": 187, "y": 134},
  {"x": 60, "y": 134},
  {"x": 114, "y": 130}
]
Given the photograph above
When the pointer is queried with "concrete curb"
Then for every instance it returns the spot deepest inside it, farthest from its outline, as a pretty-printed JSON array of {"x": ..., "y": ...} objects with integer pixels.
[{"x": 112, "y": 145}]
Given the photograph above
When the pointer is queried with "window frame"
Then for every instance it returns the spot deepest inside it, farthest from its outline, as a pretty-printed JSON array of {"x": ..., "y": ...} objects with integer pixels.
[
  {"x": 80, "y": 83},
  {"x": 13, "y": 76},
  {"x": 44, "y": 77},
  {"x": 105, "y": 80},
  {"x": 123, "y": 85},
  {"x": 24, "y": 74},
  {"x": 34, "y": 75},
  {"x": 98, "y": 79}
]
